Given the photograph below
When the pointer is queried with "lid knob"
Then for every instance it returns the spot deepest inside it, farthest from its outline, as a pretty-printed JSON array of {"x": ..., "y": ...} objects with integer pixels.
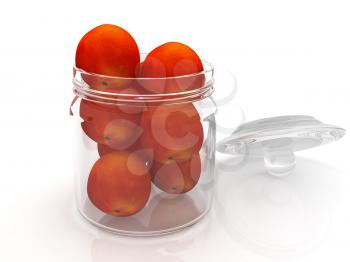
[{"x": 279, "y": 162}]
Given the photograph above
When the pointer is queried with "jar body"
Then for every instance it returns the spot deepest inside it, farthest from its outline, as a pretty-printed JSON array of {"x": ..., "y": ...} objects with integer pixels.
[{"x": 180, "y": 187}]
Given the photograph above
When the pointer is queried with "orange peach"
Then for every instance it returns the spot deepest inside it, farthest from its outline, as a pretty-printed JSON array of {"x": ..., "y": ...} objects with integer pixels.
[
  {"x": 109, "y": 51},
  {"x": 171, "y": 59},
  {"x": 177, "y": 177},
  {"x": 119, "y": 184},
  {"x": 109, "y": 125},
  {"x": 172, "y": 132}
]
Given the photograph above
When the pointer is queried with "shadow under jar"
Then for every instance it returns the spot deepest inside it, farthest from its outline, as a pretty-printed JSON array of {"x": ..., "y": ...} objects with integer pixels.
[{"x": 144, "y": 151}]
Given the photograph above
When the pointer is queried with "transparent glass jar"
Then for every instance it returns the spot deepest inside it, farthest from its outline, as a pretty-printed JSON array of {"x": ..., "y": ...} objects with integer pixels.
[{"x": 144, "y": 153}]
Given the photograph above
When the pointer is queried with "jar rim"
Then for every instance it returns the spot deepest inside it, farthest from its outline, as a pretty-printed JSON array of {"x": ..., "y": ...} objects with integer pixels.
[
  {"x": 85, "y": 91},
  {"x": 209, "y": 68}
]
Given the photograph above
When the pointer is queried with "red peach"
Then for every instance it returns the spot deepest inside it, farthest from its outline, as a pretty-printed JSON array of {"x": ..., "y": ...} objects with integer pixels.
[
  {"x": 119, "y": 184},
  {"x": 176, "y": 178},
  {"x": 109, "y": 125},
  {"x": 107, "y": 50},
  {"x": 172, "y": 59},
  {"x": 173, "y": 132}
]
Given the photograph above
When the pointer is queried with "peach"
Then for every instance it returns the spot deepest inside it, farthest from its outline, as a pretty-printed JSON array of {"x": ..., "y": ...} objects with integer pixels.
[
  {"x": 172, "y": 132},
  {"x": 176, "y": 178},
  {"x": 170, "y": 60},
  {"x": 109, "y": 125},
  {"x": 109, "y": 51},
  {"x": 119, "y": 184}
]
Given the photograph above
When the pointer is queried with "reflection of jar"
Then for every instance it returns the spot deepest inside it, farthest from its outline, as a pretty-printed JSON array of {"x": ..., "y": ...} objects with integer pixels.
[{"x": 144, "y": 160}]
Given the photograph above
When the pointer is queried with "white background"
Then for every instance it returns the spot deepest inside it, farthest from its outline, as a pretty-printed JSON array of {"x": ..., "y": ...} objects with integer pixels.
[{"x": 289, "y": 57}]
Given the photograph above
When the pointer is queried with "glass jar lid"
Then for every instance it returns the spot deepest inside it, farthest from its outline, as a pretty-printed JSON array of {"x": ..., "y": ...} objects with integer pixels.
[{"x": 277, "y": 138}]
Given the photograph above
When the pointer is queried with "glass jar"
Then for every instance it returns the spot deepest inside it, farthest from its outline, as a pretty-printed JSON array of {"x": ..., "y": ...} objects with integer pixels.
[{"x": 144, "y": 150}]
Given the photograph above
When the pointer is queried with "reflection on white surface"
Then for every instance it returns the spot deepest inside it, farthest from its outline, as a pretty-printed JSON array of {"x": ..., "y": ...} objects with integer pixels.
[
  {"x": 107, "y": 247},
  {"x": 108, "y": 250},
  {"x": 275, "y": 217},
  {"x": 255, "y": 217}
]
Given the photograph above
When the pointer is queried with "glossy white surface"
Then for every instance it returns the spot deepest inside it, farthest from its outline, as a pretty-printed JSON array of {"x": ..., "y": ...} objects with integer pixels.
[{"x": 287, "y": 57}]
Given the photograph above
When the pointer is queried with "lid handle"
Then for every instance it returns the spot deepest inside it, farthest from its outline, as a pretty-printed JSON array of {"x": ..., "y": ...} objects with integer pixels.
[{"x": 279, "y": 161}]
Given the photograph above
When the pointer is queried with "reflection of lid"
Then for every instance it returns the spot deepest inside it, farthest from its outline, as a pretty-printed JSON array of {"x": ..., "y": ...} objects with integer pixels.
[{"x": 277, "y": 138}]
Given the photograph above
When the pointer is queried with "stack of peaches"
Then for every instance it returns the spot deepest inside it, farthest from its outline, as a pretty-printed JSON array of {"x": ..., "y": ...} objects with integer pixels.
[{"x": 138, "y": 145}]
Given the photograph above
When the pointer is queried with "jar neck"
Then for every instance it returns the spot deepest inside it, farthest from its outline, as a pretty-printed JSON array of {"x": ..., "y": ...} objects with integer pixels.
[
  {"x": 140, "y": 99},
  {"x": 141, "y": 91}
]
